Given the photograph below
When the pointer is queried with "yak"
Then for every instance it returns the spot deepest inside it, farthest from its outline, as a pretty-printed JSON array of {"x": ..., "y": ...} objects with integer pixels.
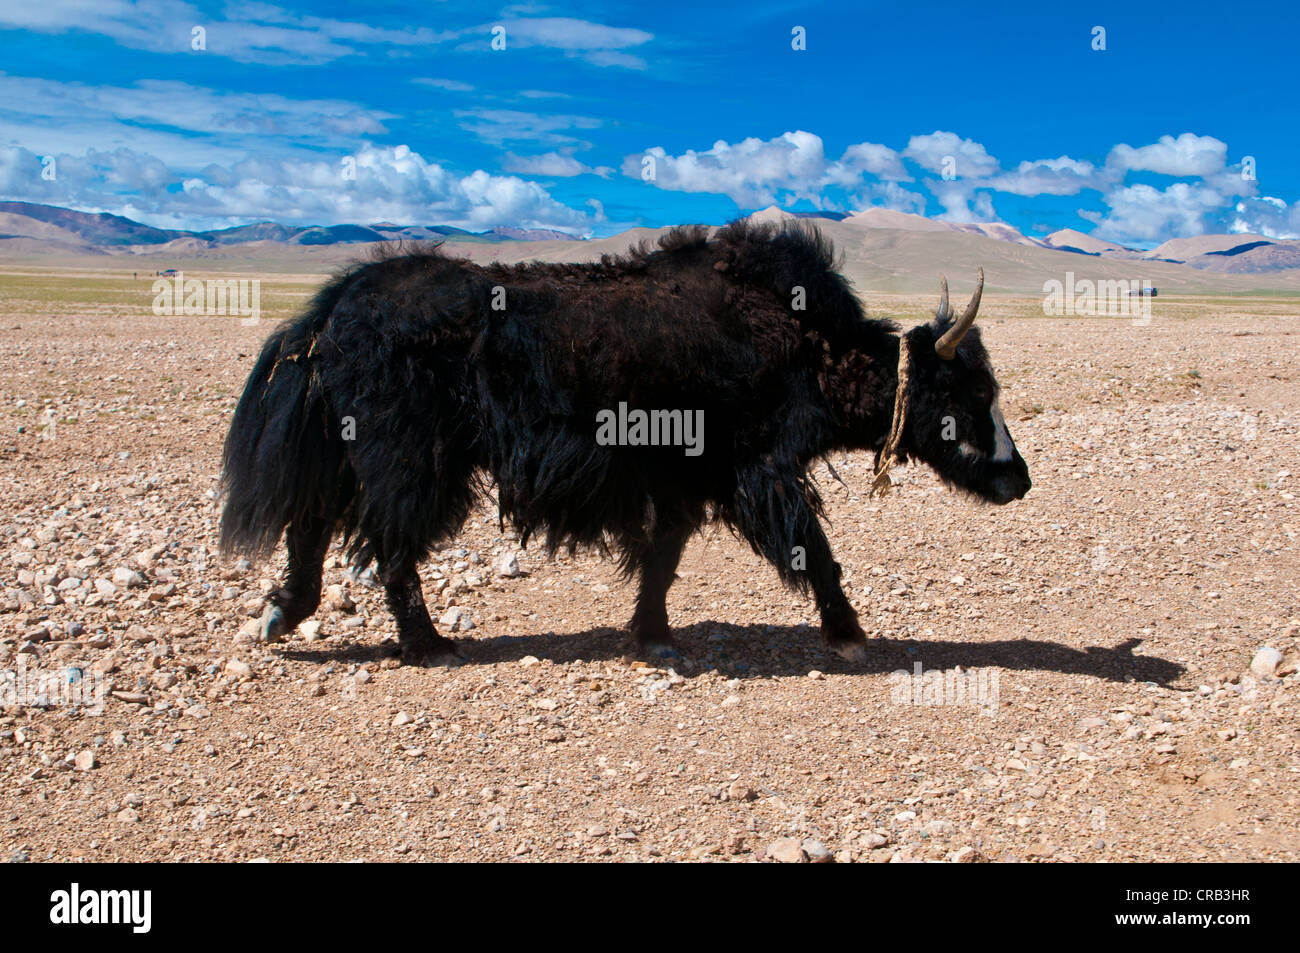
[{"x": 415, "y": 381}]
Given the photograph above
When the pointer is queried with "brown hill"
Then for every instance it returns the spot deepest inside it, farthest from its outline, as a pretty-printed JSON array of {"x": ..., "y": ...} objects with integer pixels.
[{"x": 1181, "y": 249}]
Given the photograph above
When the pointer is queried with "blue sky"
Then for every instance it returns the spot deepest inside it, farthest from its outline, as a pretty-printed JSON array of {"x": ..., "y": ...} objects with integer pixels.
[{"x": 386, "y": 111}]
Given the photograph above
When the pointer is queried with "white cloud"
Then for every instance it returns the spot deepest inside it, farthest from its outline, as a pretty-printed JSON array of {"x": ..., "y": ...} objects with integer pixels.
[
  {"x": 499, "y": 126},
  {"x": 451, "y": 85},
  {"x": 751, "y": 172},
  {"x": 555, "y": 165},
  {"x": 870, "y": 158},
  {"x": 757, "y": 172},
  {"x": 171, "y": 119},
  {"x": 942, "y": 151},
  {"x": 1216, "y": 197},
  {"x": 595, "y": 43},
  {"x": 1189, "y": 154},
  {"x": 271, "y": 35},
  {"x": 248, "y": 33},
  {"x": 390, "y": 184},
  {"x": 1144, "y": 213},
  {"x": 1061, "y": 176}
]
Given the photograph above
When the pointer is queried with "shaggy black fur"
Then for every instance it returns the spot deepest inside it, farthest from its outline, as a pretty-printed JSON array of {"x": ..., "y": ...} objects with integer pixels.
[{"x": 401, "y": 394}]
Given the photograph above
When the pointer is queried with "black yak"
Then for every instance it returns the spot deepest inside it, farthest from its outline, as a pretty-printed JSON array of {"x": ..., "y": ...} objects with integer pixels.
[{"x": 416, "y": 381}]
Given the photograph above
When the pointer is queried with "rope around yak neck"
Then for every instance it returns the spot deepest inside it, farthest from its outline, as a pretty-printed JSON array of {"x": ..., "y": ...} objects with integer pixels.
[{"x": 881, "y": 483}]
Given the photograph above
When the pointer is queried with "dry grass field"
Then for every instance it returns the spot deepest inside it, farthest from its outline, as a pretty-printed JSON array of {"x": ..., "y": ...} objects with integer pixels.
[{"x": 1095, "y": 697}]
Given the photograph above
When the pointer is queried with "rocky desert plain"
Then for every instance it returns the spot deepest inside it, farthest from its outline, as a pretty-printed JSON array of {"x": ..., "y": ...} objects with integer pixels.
[{"x": 1104, "y": 671}]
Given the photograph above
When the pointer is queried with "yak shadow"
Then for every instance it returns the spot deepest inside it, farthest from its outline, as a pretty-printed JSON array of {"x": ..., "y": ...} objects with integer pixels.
[{"x": 764, "y": 651}]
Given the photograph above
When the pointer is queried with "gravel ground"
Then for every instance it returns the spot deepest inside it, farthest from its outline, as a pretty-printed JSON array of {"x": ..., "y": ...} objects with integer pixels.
[{"x": 1116, "y": 654}]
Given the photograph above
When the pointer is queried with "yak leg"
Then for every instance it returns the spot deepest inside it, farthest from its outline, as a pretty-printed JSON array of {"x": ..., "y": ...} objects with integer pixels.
[
  {"x": 840, "y": 627},
  {"x": 418, "y": 640},
  {"x": 775, "y": 515},
  {"x": 658, "y": 564},
  {"x": 308, "y": 540}
]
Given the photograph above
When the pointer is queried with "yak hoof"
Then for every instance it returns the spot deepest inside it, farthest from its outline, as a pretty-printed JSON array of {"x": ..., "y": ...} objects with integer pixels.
[
  {"x": 274, "y": 625},
  {"x": 664, "y": 651},
  {"x": 853, "y": 652},
  {"x": 434, "y": 656}
]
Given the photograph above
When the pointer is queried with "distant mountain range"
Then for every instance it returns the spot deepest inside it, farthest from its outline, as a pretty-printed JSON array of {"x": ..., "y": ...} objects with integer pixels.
[
  {"x": 73, "y": 229},
  {"x": 1229, "y": 254},
  {"x": 887, "y": 249}
]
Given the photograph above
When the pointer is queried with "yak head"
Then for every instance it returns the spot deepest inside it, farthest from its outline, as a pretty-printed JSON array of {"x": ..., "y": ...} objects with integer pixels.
[{"x": 953, "y": 421}]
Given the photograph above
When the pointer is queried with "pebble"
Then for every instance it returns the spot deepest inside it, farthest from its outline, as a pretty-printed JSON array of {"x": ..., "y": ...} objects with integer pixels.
[
  {"x": 84, "y": 761},
  {"x": 239, "y": 669},
  {"x": 740, "y": 791},
  {"x": 336, "y": 597},
  {"x": 310, "y": 630},
  {"x": 787, "y": 850},
  {"x": 403, "y": 718},
  {"x": 508, "y": 567},
  {"x": 1266, "y": 661},
  {"x": 127, "y": 578},
  {"x": 816, "y": 851}
]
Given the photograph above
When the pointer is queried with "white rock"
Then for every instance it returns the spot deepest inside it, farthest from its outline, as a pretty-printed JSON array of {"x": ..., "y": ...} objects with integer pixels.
[
  {"x": 816, "y": 851},
  {"x": 336, "y": 597},
  {"x": 787, "y": 850},
  {"x": 127, "y": 578},
  {"x": 310, "y": 630},
  {"x": 1266, "y": 661},
  {"x": 508, "y": 567}
]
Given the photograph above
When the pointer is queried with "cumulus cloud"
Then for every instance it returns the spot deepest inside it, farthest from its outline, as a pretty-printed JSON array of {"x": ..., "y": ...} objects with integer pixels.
[
  {"x": 1215, "y": 198},
  {"x": 757, "y": 172},
  {"x": 751, "y": 172},
  {"x": 867, "y": 158},
  {"x": 1189, "y": 154},
  {"x": 388, "y": 184},
  {"x": 1061, "y": 176},
  {"x": 944, "y": 151},
  {"x": 1144, "y": 213}
]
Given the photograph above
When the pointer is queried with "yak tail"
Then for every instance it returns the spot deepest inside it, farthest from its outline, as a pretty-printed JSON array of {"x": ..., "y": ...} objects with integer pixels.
[{"x": 284, "y": 458}]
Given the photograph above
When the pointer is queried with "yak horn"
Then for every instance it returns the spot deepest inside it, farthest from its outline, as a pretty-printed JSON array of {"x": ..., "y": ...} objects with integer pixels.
[
  {"x": 943, "y": 301},
  {"x": 946, "y": 346}
]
